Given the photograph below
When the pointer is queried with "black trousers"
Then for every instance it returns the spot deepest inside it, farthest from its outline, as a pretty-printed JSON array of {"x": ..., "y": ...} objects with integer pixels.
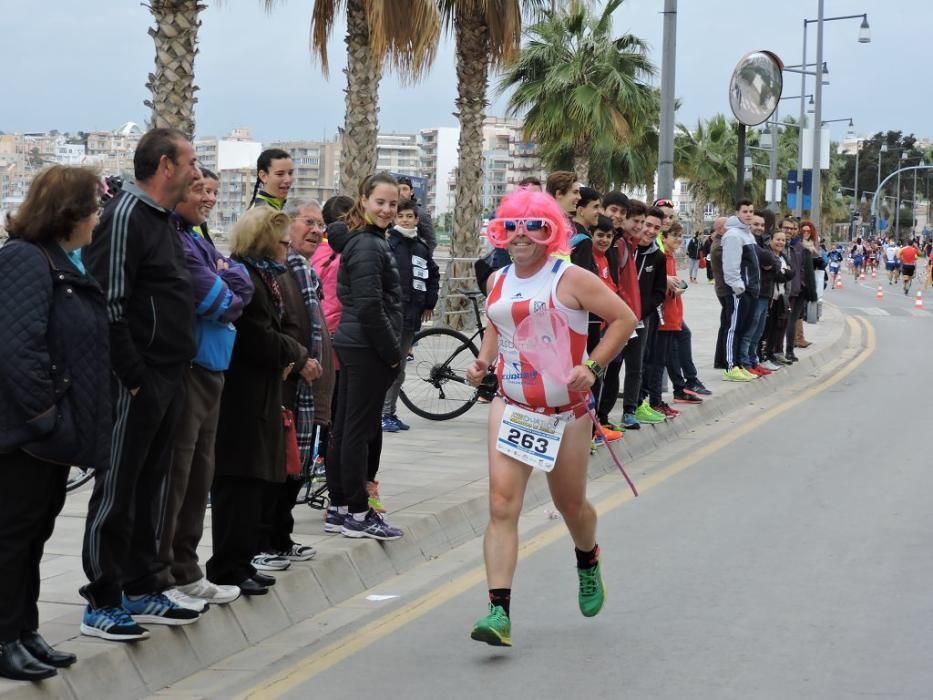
[
  {"x": 773, "y": 338},
  {"x": 32, "y": 493},
  {"x": 120, "y": 539},
  {"x": 648, "y": 357},
  {"x": 725, "y": 317},
  {"x": 238, "y": 505},
  {"x": 633, "y": 355},
  {"x": 355, "y": 444},
  {"x": 277, "y": 535},
  {"x": 797, "y": 305}
]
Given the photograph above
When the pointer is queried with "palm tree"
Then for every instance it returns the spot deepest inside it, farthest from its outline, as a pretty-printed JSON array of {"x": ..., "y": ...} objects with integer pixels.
[
  {"x": 486, "y": 35},
  {"x": 705, "y": 157},
  {"x": 580, "y": 89},
  {"x": 175, "y": 34},
  {"x": 402, "y": 34}
]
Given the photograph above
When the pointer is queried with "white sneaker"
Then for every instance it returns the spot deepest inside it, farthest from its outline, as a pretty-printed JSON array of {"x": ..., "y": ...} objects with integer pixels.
[
  {"x": 270, "y": 562},
  {"x": 185, "y": 601},
  {"x": 211, "y": 592},
  {"x": 771, "y": 366},
  {"x": 298, "y": 552}
]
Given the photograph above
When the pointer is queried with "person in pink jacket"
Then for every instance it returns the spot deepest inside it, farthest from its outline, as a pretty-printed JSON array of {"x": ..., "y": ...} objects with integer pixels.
[{"x": 326, "y": 262}]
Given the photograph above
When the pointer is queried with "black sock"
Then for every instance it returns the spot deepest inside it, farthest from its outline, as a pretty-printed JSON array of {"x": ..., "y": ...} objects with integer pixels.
[
  {"x": 501, "y": 597},
  {"x": 587, "y": 560}
]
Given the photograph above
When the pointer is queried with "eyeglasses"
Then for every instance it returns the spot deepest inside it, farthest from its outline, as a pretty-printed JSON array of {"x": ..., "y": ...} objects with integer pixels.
[
  {"x": 664, "y": 203},
  {"x": 311, "y": 223},
  {"x": 501, "y": 232}
]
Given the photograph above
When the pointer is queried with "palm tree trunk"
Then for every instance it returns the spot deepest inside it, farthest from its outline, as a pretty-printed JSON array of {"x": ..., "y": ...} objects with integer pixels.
[
  {"x": 175, "y": 35},
  {"x": 581, "y": 162},
  {"x": 699, "y": 207},
  {"x": 472, "y": 42},
  {"x": 358, "y": 141}
]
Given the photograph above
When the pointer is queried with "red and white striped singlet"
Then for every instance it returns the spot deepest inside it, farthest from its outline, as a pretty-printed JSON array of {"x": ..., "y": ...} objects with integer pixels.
[{"x": 510, "y": 301}]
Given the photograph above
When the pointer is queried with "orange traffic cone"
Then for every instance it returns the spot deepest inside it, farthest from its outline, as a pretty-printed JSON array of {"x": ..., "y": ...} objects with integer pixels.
[
  {"x": 880, "y": 295},
  {"x": 861, "y": 277},
  {"x": 839, "y": 281},
  {"x": 918, "y": 303},
  {"x": 874, "y": 273}
]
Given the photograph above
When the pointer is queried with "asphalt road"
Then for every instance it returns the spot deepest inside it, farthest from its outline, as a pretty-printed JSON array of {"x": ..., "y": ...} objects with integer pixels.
[{"x": 793, "y": 563}]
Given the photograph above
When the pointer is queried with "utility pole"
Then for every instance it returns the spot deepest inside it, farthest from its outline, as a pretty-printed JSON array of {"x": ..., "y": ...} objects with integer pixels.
[
  {"x": 666, "y": 140},
  {"x": 815, "y": 197},
  {"x": 798, "y": 204}
]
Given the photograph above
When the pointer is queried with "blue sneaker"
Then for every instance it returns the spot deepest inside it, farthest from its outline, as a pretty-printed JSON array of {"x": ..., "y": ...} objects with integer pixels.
[
  {"x": 333, "y": 522},
  {"x": 114, "y": 624},
  {"x": 157, "y": 609},
  {"x": 630, "y": 422},
  {"x": 399, "y": 423},
  {"x": 389, "y": 425},
  {"x": 373, "y": 525}
]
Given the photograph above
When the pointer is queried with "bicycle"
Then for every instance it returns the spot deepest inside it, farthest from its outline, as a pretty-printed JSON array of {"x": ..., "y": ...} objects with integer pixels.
[
  {"x": 78, "y": 477},
  {"x": 435, "y": 384}
]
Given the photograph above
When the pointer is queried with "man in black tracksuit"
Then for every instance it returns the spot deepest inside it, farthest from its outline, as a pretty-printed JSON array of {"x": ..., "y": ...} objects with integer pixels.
[{"x": 138, "y": 260}]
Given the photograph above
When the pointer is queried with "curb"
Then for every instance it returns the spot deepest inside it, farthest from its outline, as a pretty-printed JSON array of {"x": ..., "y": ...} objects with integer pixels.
[{"x": 348, "y": 567}]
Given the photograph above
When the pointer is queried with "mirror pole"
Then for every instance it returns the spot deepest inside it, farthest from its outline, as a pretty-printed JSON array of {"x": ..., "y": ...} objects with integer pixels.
[{"x": 740, "y": 165}]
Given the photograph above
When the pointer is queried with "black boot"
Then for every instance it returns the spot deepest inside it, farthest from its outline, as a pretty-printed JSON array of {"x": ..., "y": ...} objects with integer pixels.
[
  {"x": 41, "y": 649},
  {"x": 17, "y": 663},
  {"x": 791, "y": 356}
]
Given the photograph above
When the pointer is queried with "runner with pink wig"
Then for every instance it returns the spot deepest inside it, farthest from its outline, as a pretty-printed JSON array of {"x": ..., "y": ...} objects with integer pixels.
[{"x": 537, "y": 421}]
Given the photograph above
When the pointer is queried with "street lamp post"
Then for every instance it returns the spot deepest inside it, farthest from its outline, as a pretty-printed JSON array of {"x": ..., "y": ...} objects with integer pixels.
[
  {"x": 897, "y": 212},
  {"x": 881, "y": 150},
  {"x": 864, "y": 37}
]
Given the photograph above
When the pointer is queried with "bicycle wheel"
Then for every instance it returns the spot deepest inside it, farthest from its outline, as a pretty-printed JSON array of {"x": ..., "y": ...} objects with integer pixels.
[
  {"x": 435, "y": 384},
  {"x": 78, "y": 477}
]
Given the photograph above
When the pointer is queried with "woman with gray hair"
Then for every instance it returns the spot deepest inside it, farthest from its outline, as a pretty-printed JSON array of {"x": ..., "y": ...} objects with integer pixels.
[{"x": 250, "y": 449}]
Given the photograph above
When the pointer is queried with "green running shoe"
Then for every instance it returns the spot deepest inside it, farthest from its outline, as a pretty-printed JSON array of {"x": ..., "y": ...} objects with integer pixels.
[
  {"x": 736, "y": 374},
  {"x": 496, "y": 629},
  {"x": 645, "y": 414},
  {"x": 592, "y": 591}
]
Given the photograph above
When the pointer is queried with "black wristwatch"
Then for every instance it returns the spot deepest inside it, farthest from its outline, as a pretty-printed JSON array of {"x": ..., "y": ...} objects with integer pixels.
[{"x": 597, "y": 369}]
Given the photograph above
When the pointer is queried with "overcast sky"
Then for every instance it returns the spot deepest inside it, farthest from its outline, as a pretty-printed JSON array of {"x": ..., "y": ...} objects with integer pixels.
[{"x": 83, "y": 65}]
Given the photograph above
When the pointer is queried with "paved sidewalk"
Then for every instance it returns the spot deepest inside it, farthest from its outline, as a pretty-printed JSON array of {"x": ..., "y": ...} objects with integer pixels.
[{"x": 433, "y": 481}]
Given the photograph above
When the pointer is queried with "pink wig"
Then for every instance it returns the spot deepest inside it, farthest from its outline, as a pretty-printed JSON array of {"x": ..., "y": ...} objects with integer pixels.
[{"x": 538, "y": 205}]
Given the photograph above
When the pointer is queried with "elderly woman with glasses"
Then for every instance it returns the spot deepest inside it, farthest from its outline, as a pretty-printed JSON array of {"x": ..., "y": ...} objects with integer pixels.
[{"x": 250, "y": 448}]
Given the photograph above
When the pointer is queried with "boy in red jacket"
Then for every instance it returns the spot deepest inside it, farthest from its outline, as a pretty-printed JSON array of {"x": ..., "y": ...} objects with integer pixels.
[{"x": 672, "y": 317}]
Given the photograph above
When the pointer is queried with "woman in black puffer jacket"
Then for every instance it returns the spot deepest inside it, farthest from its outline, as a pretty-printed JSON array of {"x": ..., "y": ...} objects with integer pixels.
[
  {"x": 367, "y": 343},
  {"x": 55, "y": 407}
]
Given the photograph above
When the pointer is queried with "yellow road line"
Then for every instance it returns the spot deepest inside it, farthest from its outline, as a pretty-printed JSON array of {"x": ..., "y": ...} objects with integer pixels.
[{"x": 369, "y": 634}]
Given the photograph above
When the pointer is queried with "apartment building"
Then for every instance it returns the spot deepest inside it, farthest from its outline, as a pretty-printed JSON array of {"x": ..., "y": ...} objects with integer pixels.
[
  {"x": 231, "y": 152},
  {"x": 398, "y": 153},
  {"x": 438, "y": 149},
  {"x": 317, "y": 165}
]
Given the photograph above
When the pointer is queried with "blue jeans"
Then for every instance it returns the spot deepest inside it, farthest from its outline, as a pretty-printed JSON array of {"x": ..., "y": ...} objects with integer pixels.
[{"x": 748, "y": 347}]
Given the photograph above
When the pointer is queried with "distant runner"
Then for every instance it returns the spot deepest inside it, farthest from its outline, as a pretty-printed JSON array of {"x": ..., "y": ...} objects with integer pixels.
[{"x": 908, "y": 257}]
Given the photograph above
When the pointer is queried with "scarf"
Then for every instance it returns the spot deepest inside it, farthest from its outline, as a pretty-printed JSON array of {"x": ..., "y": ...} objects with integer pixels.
[
  {"x": 310, "y": 285},
  {"x": 269, "y": 270},
  {"x": 407, "y": 232}
]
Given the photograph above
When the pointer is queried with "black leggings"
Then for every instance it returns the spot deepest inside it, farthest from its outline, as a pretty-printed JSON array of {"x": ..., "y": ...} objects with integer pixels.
[{"x": 355, "y": 443}]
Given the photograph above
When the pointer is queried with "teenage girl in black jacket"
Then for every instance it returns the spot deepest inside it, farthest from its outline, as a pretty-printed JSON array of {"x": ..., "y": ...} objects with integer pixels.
[{"x": 367, "y": 343}]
